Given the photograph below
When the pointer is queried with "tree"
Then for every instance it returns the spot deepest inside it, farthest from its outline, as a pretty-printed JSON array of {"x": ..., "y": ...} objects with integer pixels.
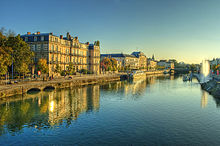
[
  {"x": 42, "y": 66},
  {"x": 114, "y": 64},
  {"x": 97, "y": 43},
  {"x": 22, "y": 55},
  {"x": 57, "y": 69},
  {"x": 106, "y": 64},
  {"x": 70, "y": 69},
  {"x": 5, "y": 54}
]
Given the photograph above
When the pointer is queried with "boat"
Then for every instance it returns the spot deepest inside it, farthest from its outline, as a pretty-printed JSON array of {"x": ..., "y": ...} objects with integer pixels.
[
  {"x": 185, "y": 78},
  {"x": 165, "y": 72},
  {"x": 137, "y": 74}
]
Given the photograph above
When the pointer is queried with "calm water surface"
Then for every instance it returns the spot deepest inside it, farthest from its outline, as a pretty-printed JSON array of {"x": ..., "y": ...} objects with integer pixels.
[{"x": 161, "y": 110}]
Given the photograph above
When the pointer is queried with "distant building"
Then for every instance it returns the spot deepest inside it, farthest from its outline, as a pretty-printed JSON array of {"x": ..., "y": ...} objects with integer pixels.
[
  {"x": 215, "y": 61},
  {"x": 141, "y": 58},
  {"x": 166, "y": 64},
  {"x": 152, "y": 65},
  {"x": 124, "y": 60},
  {"x": 63, "y": 50}
]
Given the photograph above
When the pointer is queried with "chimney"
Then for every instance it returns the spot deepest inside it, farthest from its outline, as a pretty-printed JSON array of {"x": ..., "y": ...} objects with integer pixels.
[
  {"x": 61, "y": 36},
  {"x": 28, "y": 33},
  {"x": 38, "y": 32}
]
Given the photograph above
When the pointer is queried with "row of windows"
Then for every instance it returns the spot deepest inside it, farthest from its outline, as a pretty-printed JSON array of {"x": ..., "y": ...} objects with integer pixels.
[
  {"x": 58, "y": 40},
  {"x": 35, "y": 38},
  {"x": 38, "y": 47},
  {"x": 67, "y": 50}
]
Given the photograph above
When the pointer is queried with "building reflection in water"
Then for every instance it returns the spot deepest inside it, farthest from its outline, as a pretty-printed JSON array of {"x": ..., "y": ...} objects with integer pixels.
[
  {"x": 204, "y": 99},
  {"x": 47, "y": 109}
]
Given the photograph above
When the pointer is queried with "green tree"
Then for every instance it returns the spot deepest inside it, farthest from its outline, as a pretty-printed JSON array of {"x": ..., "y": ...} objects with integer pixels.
[
  {"x": 43, "y": 66},
  {"x": 22, "y": 55},
  {"x": 5, "y": 54},
  {"x": 57, "y": 69},
  {"x": 70, "y": 69}
]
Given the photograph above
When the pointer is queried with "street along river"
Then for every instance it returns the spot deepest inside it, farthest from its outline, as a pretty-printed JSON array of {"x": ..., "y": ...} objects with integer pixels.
[{"x": 158, "y": 110}]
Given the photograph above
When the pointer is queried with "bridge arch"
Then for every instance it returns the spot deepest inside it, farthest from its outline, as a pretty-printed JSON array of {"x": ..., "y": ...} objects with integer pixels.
[
  {"x": 49, "y": 88},
  {"x": 33, "y": 90}
]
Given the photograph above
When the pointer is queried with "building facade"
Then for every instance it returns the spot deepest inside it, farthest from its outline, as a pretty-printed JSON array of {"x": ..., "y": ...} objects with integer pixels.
[
  {"x": 141, "y": 58},
  {"x": 166, "y": 64},
  {"x": 62, "y": 51},
  {"x": 124, "y": 60}
]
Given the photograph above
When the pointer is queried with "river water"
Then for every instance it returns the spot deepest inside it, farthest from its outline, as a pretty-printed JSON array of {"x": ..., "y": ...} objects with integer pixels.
[{"x": 158, "y": 110}]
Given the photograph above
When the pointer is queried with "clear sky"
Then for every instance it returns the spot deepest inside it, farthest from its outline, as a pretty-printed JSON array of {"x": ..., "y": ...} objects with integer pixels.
[{"x": 187, "y": 30}]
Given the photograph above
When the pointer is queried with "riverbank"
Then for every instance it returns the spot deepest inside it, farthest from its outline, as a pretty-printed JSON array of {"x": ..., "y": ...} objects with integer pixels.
[
  {"x": 212, "y": 86},
  {"x": 23, "y": 88}
]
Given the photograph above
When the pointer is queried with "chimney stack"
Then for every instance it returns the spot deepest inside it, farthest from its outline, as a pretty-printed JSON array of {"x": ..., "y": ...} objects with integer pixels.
[
  {"x": 61, "y": 36},
  {"x": 38, "y": 32},
  {"x": 28, "y": 33}
]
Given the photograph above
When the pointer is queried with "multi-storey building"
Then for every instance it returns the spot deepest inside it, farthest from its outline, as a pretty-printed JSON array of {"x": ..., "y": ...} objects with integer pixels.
[
  {"x": 166, "y": 64},
  {"x": 124, "y": 60},
  {"x": 142, "y": 59},
  {"x": 64, "y": 50}
]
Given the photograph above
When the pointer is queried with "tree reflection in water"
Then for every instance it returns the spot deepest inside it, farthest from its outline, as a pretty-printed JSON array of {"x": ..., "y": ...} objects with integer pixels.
[{"x": 47, "y": 109}]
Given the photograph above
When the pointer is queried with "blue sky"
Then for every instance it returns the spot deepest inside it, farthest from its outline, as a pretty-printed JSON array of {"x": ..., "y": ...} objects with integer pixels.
[{"x": 187, "y": 30}]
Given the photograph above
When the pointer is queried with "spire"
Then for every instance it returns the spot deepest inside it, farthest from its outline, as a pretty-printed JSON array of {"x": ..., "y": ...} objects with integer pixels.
[{"x": 153, "y": 57}]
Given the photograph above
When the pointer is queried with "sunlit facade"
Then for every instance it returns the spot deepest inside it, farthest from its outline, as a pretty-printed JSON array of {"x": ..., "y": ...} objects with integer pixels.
[{"x": 64, "y": 50}]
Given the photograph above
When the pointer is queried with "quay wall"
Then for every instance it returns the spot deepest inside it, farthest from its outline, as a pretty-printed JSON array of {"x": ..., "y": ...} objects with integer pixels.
[
  {"x": 212, "y": 86},
  {"x": 16, "y": 89},
  {"x": 154, "y": 72}
]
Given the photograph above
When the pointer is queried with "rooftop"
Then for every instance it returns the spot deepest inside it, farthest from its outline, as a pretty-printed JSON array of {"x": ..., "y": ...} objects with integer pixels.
[{"x": 117, "y": 55}]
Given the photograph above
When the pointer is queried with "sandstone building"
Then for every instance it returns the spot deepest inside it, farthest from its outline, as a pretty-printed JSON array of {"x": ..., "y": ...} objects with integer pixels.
[
  {"x": 124, "y": 60},
  {"x": 64, "y": 50}
]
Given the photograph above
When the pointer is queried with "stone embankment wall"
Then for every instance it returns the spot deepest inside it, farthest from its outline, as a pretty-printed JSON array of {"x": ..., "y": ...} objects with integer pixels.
[
  {"x": 212, "y": 86},
  {"x": 15, "y": 89}
]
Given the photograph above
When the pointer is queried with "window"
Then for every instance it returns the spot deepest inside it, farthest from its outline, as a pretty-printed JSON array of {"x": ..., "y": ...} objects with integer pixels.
[
  {"x": 52, "y": 48},
  {"x": 26, "y": 39},
  {"x": 45, "y": 46},
  {"x": 38, "y": 46},
  {"x": 35, "y": 38},
  {"x": 42, "y": 38}
]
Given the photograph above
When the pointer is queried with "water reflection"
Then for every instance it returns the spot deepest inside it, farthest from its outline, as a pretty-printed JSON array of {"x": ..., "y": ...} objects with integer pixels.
[
  {"x": 49, "y": 109},
  {"x": 204, "y": 99},
  {"x": 46, "y": 109}
]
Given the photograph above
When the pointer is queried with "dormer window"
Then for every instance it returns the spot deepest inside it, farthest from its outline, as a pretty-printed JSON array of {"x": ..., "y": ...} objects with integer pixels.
[
  {"x": 26, "y": 39},
  {"x": 35, "y": 38},
  {"x": 42, "y": 38}
]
